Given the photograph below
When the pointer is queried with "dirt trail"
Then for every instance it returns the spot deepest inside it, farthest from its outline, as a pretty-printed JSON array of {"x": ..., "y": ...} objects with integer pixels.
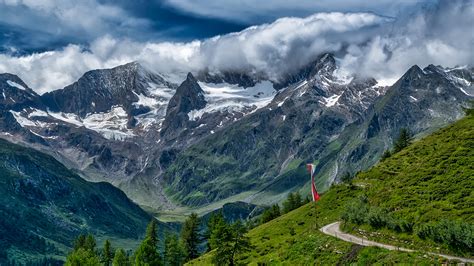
[{"x": 333, "y": 230}]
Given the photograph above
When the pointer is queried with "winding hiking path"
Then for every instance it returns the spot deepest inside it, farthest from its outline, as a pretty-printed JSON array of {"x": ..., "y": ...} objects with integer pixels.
[{"x": 333, "y": 230}]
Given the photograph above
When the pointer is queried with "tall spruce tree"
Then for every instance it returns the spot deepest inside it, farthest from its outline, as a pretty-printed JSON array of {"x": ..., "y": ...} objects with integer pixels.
[
  {"x": 215, "y": 220},
  {"x": 120, "y": 258},
  {"x": 174, "y": 251},
  {"x": 84, "y": 252},
  {"x": 190, "y": 236},
  {"x": 231, "y": 241},
  {"x": 147, "y": 252},
  {"x": 403, "y": 140},
  {"x": 292, "y": 202},
  {"x": 107, "y": 254}
]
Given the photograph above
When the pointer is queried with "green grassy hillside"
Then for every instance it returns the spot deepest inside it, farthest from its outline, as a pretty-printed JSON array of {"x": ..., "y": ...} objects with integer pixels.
[{"x": 429, "y": 182}]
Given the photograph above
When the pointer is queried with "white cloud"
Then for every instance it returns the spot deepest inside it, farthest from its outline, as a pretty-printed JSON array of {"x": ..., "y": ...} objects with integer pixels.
[
  {"x": 366, "y": 43},
  {"x": 67, "y": 19},
  {"x": 257, "y": 11}
]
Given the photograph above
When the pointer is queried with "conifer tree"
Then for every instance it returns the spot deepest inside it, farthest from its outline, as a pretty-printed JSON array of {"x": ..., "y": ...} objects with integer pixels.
[
  {"x": 84, "y": 252},
  {"x": 190, "y": 236},
  {"x": 89, "y": 243},
  {"x": 147, "y": 252},
  {"x": 231, "y": 241},
  {"x": 120, "y": 258},
  {"x": 107, "y": 255},
  {"x": 386, "y": 154},
  {"x": 174, "y": 251},
  {"x": 79, "y": 242},
  {"x": 403, "y": 140},
  {"x": 215, "y": 220}
]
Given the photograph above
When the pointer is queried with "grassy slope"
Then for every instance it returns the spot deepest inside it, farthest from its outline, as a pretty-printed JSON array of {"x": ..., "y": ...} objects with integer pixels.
[{"x": 431, "y": 179}]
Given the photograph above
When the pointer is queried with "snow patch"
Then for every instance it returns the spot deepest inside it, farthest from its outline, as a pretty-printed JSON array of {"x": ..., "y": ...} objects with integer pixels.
[
  {"x": 22, "y": 120},
  {"x": 111, "y": 125},
  {"x": 465, "y": 92},
  {"x": 331, "y": 101},
  {"x": 41, "y": 136},
  {"x": 233, "y": 98},
  {"x": 37, "y": 113},
  {"x": 280, "y": 104},
  {"x": 16, "y": 85}
]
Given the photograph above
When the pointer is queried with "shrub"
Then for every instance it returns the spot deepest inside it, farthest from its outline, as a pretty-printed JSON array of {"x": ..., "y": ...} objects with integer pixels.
[
  {"x": 377, "y": 218},
  {"x": 458, "y": 235},
  {"x": 356, "y": 211}
]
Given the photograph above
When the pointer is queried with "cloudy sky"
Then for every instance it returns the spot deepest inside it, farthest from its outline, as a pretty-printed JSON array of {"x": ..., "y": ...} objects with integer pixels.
[{"x": 51, "y": 43}]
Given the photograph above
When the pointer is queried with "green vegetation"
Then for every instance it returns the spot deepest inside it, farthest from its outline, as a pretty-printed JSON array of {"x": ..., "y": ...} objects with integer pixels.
[
  {"x": 174, "y": 251},
  {"x": 229, "y": 241},
  {"x": 403, "y": 140},
  {"x": 48, "y": 205},
  {"x": 107, "y": 255},
  {"x": 84, "y": 252},
  {"x": 270, "y": 214},
  {"x": 190, "y": 236},
  {"x": 421, "y": 197},
  {"x": 147, "y": 253},
  {"x": 293, "y": 201}
]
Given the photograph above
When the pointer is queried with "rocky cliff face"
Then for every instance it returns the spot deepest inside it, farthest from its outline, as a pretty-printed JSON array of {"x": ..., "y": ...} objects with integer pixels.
[
  {"x": 227, "y": 134},
  {"x": 97, "y": 91},
  {"x": 189, "y": 96},
  {"x": 341, "y": 126}
]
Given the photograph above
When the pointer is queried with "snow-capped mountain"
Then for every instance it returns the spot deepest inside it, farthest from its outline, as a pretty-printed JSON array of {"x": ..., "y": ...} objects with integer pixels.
[{"x": 141, "y": 131}]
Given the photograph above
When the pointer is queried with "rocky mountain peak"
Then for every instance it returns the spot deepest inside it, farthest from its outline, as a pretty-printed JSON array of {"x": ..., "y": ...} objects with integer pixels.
[
  {"x": 324, "y": 65},
  {"x": 189, "y": 96},
  {"x": 97, "y": 91},
  {"x": 232, "y": 77},
  {"x": 15, "y": 94}
]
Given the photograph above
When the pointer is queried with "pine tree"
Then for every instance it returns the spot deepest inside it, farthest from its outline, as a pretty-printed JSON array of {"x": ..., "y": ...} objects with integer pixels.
[
  {"x": 107, "y": 255},
  {"x": 289, "y": 203},
  {"x": 89, "y": 243},
  {"x": 298, "y": 201},
  {"x": 82, "y": 257},
  {"x": 84, "y": 252},
  {"x": 347, "y": 177},
  {"x": 190, "y": 236},
  {"x": 270, "y": 214},
  {"x": 147, "y": 252},
  {"x": 151, "y": 232},
  {"x": 214, "y": 221},
  {"x": 232, "y": 242},
  {"x": 292, "y": 202},
  {"x": 403, "y": 140},
  {"x": 222, "y": 238},
  {"x": 174, "y": 251},
  {"x": 386, "y": 154},
  {"x": 120, "y": 258},
  {"x": 79, "y": 242}
]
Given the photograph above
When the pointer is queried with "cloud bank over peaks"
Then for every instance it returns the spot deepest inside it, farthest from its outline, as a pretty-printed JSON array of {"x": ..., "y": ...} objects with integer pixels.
[{"x": 365, "y": 43}]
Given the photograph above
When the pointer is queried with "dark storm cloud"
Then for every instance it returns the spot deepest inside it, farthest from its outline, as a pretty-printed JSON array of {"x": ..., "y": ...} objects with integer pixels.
[
  {"x": 365, "y": 44},
  {"x": 39, "y": 25}
]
